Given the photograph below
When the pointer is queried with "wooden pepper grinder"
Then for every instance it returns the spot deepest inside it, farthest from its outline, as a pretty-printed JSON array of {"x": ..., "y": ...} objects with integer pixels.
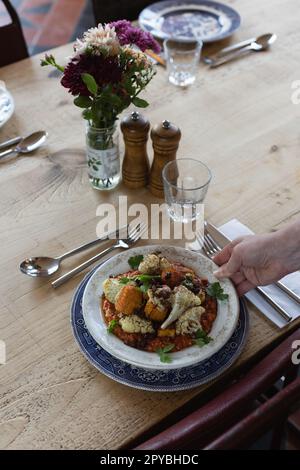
[
  {"x": 135, "y": 170},
  {"x": 165, "y": 138}
]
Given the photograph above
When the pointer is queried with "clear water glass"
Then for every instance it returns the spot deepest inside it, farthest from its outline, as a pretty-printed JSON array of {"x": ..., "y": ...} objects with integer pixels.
[
  {"x": 182, "y": 59},
  {"x": 186, "y": 182}
]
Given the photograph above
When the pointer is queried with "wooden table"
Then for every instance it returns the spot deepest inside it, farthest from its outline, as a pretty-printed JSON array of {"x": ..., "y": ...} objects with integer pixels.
[{"x": 239, "y": 119}]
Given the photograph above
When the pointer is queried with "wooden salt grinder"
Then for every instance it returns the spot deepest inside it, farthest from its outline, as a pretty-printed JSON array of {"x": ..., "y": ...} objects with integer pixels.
[
  {"x": 135, "y": 170},
  {"x": 165, "y": 138}
]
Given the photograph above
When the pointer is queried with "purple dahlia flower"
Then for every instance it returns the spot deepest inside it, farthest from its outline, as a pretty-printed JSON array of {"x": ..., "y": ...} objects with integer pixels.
[
  {"x": 128, "y": 34},
  {"x": 105, "y": 70}
]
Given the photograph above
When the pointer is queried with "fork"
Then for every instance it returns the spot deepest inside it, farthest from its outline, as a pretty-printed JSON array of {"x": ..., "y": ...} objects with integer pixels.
[
  {"x": 211, "y": 248},
  {"x": 124, "y": 243}
]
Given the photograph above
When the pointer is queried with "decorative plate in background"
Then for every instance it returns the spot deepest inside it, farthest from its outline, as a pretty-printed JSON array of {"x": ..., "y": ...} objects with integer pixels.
[
  {"x": 156, "y": 380},
  {"x": 6, "y": 104},
  {"x": 202, "y": 19}
]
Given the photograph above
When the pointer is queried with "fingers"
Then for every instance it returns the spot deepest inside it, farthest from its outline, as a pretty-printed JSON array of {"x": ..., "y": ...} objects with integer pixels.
[
  {"x": 237, "y": 278},
  {"x": 244, "y": 287},
  {"x": 231, "y": 267},
  {"x": 224, "y": 255}
]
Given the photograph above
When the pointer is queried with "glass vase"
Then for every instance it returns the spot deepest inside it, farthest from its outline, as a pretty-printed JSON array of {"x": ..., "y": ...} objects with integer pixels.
[{"x": 103, "y": 157}]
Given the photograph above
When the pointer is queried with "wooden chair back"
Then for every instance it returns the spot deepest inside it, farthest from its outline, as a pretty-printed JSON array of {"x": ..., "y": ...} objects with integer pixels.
[{"x": 11, "y": 37}]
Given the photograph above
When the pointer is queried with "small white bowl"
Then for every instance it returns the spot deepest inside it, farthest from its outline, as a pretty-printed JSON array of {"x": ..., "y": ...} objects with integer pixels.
[{"x": 7, "y": 106}]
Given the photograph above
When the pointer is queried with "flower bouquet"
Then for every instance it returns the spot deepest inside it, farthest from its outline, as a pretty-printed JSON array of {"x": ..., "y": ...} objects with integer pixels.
[{"x": 106, "y": 73}]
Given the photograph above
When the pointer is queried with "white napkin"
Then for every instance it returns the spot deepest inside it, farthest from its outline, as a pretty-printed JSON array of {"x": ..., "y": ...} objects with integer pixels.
[{"x": 234, "y": 229}]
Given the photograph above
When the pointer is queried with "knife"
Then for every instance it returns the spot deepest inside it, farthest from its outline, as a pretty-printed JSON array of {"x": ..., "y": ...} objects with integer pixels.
[{"x": 223, "y": 241}]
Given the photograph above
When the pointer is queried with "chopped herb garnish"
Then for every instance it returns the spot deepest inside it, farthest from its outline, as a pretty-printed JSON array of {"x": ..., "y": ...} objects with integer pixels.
[
  {"x": 163, "y": 353},
  {"x": 145, "y": 281},
  {"x": 192, "y": 284},
  {"x": 135, "y": 261},
  {"x": 188, "y": 283},
  {"x": 111, "y": 326},
  {"x": 216, "y": 291},
  {"x": 125, "y": 280},
  {"x": 146, "y": 277},
  {"x": 202, "y": 338}
]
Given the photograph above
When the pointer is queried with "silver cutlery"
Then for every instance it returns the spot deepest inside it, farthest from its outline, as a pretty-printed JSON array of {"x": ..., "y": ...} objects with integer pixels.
[
  {"x": 222, "y": 52},
  {"x": 27, "y": 145},
  {"x": 211, "y": 248},
  {"x": 210, "y": 228},
  {"x": 124, "y": 243},
  {"x": 260, "y": 44},
  {"x": 43, "y": 266},
  {"x": 10, "y": 142},
  {"x": 234, "y": 47}
]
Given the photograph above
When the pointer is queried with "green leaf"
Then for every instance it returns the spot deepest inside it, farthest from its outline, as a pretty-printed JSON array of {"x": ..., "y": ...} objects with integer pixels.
[
  {"x": 168, "y": 348},
  {"x": 145, "y": 279},
  {"x": 87, "y": 114},
  {"x": 144, "y": 288},
  {"x": 163, "y": 353},
  {"x": 188, "y": 283},
  {"x": 111, "y": 326},
  {"x": 202, "y": 338},
  {"x": 124, "y": 280},
  {"x": 216, "y": 291},
  {"x": 139, "y": 102},
  {"x": 90, "y": 83},
  {"x": 135, "y": 261},
  {"x": 83, "y": 101}
]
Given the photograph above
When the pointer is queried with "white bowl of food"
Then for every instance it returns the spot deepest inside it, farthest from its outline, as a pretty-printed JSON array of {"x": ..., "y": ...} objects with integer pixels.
[{"x": 160, "y": 307}]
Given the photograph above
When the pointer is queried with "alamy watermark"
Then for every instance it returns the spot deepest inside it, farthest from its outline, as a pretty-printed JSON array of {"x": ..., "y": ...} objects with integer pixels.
[
  {"x": 189, "y": 219},
  {"x": 295, "y": 97},
  {"x": 2, "y": 352},
  {"x": 296, "y": 353}
]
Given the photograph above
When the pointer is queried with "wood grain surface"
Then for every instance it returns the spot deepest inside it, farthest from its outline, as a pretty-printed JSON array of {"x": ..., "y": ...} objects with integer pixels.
[{"x": 239, "y": 119}]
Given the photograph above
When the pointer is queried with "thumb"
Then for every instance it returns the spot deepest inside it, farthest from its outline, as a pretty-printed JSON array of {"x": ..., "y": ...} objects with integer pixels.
[{"x": 231, "y": 267}]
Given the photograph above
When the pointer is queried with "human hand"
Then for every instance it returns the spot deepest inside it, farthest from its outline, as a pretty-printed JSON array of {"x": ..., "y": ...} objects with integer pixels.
[{"x": 259, "y": 259}]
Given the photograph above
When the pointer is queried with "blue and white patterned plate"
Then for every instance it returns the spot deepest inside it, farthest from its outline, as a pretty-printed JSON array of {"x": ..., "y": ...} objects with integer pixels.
[
  {"x": 155, "y": 380},
  {"x": 204, "y": 19}
]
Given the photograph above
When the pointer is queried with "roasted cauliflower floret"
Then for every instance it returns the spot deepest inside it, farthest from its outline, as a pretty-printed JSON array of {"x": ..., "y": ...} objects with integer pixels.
[
  {"x": 150, "y": 264},
  {"x": 190, "y": 321},
  {"x": 164, "y": 264},
  {"x": 111, "y": 288},
  {"x": 182, "y": 299},
  {"x": 135, "y": 324},
  {"x": 129, "y": 299},
  {"x": 160, "y": 296},
  {"x": 154, "y": 312},
  {"x": 201, "y": 296}
]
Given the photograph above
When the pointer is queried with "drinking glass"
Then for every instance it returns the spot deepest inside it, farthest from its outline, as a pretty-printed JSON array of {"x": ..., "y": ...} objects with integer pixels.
[
  {"x": 182, "y": 59},
  {"x": 186, "y": 183}
]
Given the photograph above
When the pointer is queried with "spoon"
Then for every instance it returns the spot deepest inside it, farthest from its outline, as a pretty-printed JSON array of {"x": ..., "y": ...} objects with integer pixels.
[
  {"x": 28, "y": 144},
  {"x": 44, "y": 266},
  {"x": 260, "y": 44},
  {"x": 234, "y": 47}
]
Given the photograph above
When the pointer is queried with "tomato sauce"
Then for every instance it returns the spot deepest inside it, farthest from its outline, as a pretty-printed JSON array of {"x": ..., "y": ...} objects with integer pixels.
[{"x": 151, "y": 342}]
